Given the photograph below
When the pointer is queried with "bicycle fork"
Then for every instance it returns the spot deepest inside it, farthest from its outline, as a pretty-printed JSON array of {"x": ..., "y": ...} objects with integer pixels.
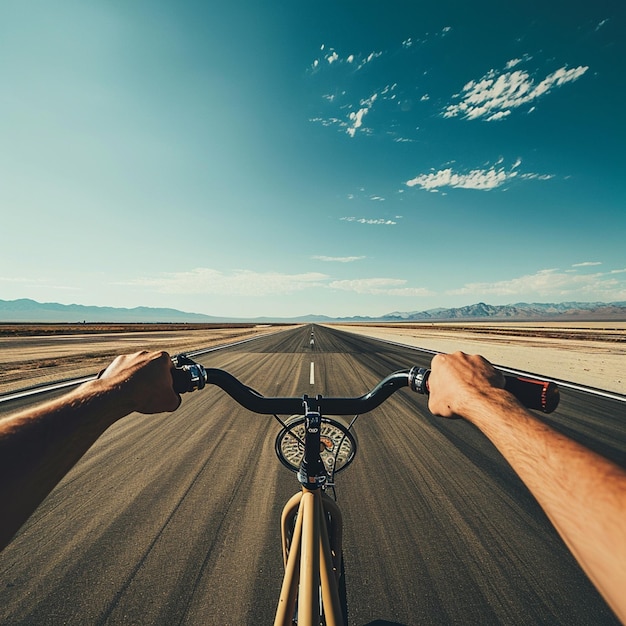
[{"x": 311, "y": 530}]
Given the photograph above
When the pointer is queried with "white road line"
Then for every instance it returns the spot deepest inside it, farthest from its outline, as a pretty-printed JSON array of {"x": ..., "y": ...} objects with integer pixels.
[
  {"x": 312, "y": 374},
  {"x": 52, "y": 387}
]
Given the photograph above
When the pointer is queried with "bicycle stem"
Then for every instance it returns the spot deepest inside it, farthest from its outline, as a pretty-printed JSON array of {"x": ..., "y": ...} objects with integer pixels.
[{"x": 312, "y": 473}]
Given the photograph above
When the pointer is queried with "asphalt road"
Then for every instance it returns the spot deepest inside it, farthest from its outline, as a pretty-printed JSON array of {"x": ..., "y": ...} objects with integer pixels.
[{"x": 173, "y": 519}]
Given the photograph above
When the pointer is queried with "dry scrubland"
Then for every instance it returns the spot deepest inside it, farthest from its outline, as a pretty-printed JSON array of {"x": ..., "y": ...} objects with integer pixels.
[{"x": 589, "y": 353}]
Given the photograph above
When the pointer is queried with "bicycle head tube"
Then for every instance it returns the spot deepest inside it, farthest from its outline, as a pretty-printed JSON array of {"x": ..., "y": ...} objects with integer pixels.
[{"x": 312, "y": 473}]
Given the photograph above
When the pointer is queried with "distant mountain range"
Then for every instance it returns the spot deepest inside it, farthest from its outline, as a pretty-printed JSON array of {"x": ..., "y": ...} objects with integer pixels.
[
  {"x": 520, "y": 311},
  {"x": 26, "y": 310}
]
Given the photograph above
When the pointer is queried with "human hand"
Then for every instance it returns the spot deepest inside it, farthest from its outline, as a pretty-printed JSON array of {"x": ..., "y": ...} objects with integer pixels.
[
  {"x": 458, "y": 380},
  {"x": 144, "y": 379}
]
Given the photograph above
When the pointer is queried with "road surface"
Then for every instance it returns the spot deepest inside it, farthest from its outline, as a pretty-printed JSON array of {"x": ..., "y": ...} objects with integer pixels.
[{"x": 173, "y": 519}]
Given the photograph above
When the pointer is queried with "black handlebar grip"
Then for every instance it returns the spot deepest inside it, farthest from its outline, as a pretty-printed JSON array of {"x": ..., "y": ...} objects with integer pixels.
[
  {"x": 188, "y": 378},
  {"x": 534, "y": 394},
  {"x": 187, "y": 375}
]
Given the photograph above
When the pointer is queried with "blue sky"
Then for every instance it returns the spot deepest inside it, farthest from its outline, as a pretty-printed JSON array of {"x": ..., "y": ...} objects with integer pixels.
[{"x": 284, "y": 158}]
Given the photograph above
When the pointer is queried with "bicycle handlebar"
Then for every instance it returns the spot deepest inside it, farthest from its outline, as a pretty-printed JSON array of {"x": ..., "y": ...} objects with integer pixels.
[{"x": 190, "y": 376}]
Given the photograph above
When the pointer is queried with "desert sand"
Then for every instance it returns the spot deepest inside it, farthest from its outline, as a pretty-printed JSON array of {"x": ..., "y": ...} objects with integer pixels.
[
  {"x": 592, "y": 354},
  {"x": 28, "y": 361}
]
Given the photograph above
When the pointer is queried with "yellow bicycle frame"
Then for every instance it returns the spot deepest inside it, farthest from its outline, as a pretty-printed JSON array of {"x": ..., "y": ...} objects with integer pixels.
[{"x": 312, "y": 558}]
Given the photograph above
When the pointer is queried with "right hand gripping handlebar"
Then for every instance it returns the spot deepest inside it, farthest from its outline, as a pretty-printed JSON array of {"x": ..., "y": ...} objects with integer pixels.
[
  {"x": 542, "y": 395},
  {"x": 190, "y": 376}
]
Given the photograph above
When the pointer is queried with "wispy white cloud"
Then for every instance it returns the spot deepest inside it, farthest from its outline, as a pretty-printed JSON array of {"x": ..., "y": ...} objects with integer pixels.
[
  {"x": 363, "y": 195},
  {"x": 356, "y": 117},
  {"x": 387, "y": 91},
  {"x": 343, "y": 104},
  {"x": 208, "y": 281},
  {"x": 550, "y": 284},
  {"x": 368, "y": 59},
  {"x": 512, "y": 63},
  {"x": 410, "y": 41},
  {"x": 484, "y": 179},
  {"x": 356, "y": 120},
  {"x": 343, "y": 68},
  {"x": 250, "y": 283},
  {"x": 587, "y": 264},
  {"x": 497, "y": 93},
  {"x": 601, "y": 24},
  {"x": 338, "y": 259},
  {"x": 353, "y": 122},
  {"x": 474, "y": 179},
  {"x": 329, "y": 121},
  {"x": 333, "y": 94},
  {"x": 379, "y": 286},
  {"x": 363, "y": 220},
  {"x": 356, "y": 61}
]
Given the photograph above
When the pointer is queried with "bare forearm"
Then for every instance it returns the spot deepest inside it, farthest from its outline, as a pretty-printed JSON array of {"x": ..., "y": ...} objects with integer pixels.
[
  {"x": 39, "y": 446},
  {"x": 583, "y": 494}
]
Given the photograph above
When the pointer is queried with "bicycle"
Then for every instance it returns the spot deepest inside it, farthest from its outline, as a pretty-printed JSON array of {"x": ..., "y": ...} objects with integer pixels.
[{"x": 316, "y": 447}]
